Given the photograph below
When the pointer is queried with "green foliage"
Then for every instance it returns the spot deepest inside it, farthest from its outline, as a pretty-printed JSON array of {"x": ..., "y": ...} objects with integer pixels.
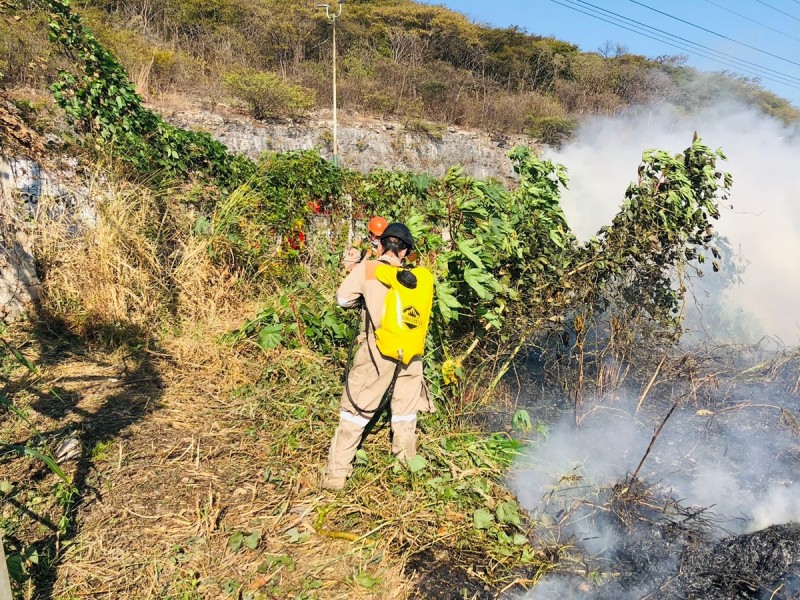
[
  {"x": 104, "y": 107},
  {"x": 239, "y": 539},
  {"x": 666, "y": 217},
  {"x": 296, "y": 182},
  {"x": 269, "y": 95},
  {"x": 507, "y": 265},
  {"x": 552, "y": 131},
  {"x": 267, "y": 217},
  {"x": 302, "y": 317}
]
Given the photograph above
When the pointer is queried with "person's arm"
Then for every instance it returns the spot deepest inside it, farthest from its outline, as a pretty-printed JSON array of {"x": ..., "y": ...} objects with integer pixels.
[
  {"x": 351, "y": 290},
  {"x": 352, "y": 258}
]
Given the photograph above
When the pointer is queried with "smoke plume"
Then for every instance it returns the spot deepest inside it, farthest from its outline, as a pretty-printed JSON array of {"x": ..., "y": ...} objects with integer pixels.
[{"x": 761, "y": 219}]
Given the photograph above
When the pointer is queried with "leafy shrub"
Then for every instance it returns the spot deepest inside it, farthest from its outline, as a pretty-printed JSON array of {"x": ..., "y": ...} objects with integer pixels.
[
  {"x": 302, "y": 317},
  {"x": 269, "y": 95},
  {"x": 250, "y": 223},
  {"x": 551, "y": 130}
]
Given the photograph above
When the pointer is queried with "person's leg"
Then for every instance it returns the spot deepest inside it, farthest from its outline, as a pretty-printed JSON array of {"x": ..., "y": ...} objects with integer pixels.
[
  {"x": 343, "y": 448},
  {"x": 366, "y": 385},
  {"x": 408, "y": 398},
  {"x": 404, "y": 436}
]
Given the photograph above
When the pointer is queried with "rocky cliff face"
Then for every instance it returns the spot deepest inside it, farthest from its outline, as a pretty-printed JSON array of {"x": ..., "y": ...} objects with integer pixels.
[
  {"x": 20, "y": 181},
  {"x": 364, "y": 144}
]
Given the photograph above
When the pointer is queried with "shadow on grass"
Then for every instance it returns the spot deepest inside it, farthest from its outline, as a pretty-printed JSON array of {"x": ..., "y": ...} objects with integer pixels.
[{"x": 94, "y": 409}]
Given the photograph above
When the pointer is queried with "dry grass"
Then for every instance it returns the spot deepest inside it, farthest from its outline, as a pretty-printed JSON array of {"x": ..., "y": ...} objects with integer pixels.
[
  {"x": 172, "y": 467},
  {"x": 135, "y": 266}
]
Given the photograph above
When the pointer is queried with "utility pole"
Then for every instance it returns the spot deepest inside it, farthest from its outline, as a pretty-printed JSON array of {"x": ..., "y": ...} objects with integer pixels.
[{"x": 332, "y": 16}]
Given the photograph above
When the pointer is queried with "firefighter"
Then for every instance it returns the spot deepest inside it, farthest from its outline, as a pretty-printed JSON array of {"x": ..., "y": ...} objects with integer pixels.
[
  {"x": 375, "y": 228},
  {"x": 373, "y": 374}
]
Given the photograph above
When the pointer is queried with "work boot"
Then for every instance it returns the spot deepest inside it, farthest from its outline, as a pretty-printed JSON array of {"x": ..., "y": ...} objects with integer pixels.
[{"x": 335, "y": 484}]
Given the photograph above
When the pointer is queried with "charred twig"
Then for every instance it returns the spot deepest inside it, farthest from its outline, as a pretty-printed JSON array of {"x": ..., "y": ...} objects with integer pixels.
[
  {"x": 651, "y": 382},
  {"x": 655, "y": 437}
]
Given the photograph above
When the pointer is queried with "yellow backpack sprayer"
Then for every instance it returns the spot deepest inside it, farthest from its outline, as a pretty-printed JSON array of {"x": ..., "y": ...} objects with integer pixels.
[{"x": 406, "y": 312}]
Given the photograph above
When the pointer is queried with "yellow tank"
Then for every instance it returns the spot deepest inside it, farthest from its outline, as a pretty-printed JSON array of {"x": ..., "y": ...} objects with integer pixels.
[{"x": 406, "y": 312}]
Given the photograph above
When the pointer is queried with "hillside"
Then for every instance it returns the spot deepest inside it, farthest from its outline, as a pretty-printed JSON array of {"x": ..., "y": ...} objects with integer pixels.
[{"x": 273, "y": 56}]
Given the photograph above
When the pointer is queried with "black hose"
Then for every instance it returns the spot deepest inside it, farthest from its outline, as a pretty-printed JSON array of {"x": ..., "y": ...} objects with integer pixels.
[{"x": 387, "y": 395}]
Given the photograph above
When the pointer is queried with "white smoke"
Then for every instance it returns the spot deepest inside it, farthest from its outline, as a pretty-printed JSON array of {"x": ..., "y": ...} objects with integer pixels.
[
  {"x": 779, "y": 505},
  {"x": 764, "y": 223},
  {"x": 738, "y": 464}
]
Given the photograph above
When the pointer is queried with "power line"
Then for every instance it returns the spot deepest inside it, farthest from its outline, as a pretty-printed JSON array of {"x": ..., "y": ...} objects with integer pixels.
[
  {"x": 778, "y": 10},
  {"x": 733, "y": 12},
  {"x": 717, "y": 34},
  {"x": 699, "y": 49},
  {"x": 741, "y": 64}
]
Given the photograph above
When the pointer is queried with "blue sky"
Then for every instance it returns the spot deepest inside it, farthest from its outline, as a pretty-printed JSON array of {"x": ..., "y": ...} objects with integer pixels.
[{"x": 765, "y": 34}]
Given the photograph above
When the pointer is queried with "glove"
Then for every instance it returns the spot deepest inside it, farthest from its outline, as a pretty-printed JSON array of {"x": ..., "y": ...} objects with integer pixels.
[{"x": 351, "y": 259}]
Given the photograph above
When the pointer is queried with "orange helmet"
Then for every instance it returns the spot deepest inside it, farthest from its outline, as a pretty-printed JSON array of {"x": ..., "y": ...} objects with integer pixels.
[{"x": 377, "y": 225}]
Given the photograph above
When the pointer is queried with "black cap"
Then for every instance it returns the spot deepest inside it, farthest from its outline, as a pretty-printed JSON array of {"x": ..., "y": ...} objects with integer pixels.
[{"x": 399, "y": 231}]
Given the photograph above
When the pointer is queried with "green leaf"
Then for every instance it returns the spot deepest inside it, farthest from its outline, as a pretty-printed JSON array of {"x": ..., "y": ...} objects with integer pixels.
[
  {"x": 51, "y": 464},
  {"x": 18, "y": 356},
  {"x": 521, "y": 421},
  {"x": 417, "y": 464},
  {"x": 446, "y": 301},
  {"x": 482, "y": 519},
  {"x": 251, "y": 541},
  {"x": 298, "y": 537},
  {"x": 235, "y": 541},
  {"x": 15, "y": 567},
  {"x": 202, "y": 226},
  {"x": 270, "y": 337},
  {"x": 366, "y": 580},
  {"x": 508, "y": 512},
  {"x": 468, "y": 249},
  {"x": 476, "y": 280},
  {"x": 277, "y": 561},
  {"x": 557, "y": 238}
]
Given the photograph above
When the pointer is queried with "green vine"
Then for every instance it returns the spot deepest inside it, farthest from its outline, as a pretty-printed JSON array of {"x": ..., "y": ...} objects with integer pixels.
[{"x": 103, "y": 106}]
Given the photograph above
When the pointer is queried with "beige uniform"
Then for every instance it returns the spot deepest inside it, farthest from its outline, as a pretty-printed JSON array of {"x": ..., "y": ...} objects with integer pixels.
[{"x": 370, "y": 376}]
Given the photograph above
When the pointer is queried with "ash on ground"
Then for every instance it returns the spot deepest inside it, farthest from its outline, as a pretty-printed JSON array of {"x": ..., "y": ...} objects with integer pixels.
[{"x": 713, "y": 512}]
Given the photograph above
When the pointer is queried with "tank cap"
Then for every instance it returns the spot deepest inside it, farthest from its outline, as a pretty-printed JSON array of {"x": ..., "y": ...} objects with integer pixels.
[{"x": 407, "y": 279}]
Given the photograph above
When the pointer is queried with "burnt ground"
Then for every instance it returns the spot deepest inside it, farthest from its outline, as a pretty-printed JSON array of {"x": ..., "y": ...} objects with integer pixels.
[
  {"x": 713, "y": 512},
  {"x": 762, "y": 564},
  {"x": 441, "y": 578}
]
